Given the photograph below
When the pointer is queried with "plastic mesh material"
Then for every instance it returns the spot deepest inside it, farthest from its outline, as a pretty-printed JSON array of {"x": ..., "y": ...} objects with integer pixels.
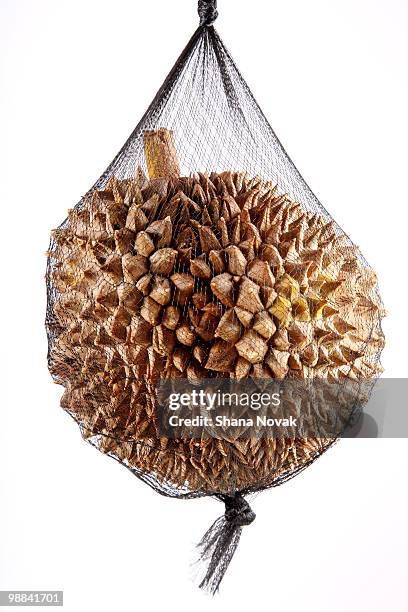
[{"x": 110, "y": 341}]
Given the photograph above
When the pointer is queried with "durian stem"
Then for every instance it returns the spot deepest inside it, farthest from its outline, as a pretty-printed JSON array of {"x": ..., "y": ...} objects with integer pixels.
[{"x": 161, "y": 155}]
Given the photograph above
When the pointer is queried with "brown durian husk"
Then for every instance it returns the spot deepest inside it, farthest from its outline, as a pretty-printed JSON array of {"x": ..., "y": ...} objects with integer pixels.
[{"x": 195, "y": 277}]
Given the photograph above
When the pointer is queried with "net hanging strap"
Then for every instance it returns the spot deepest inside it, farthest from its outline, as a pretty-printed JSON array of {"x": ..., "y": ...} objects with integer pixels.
[{"x": 207, "y": 10}]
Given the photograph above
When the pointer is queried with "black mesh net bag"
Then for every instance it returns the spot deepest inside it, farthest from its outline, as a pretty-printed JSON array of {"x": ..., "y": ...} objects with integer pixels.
[{"x": 202, "y": 254}]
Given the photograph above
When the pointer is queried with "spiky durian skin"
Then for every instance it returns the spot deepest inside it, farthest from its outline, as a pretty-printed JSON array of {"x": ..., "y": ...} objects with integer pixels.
[{"x": 196, "y": 277}]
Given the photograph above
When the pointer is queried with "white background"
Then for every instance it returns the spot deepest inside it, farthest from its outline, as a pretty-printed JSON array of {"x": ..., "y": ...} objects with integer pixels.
[{"x": 76, "y": 75}]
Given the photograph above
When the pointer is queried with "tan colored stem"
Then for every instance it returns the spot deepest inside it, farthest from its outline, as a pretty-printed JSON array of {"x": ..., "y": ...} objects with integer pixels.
[{"x": 161, "y": 154}]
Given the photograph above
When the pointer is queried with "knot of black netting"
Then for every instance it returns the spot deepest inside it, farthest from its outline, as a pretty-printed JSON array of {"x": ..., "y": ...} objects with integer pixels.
[
  {"x": 238, "y": 512},
  {"x": 220, "y": 542},
  {"x": 207, "y": 9}
]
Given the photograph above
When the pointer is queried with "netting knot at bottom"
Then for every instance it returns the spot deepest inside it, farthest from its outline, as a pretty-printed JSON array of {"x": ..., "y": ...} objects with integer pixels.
[{"x": 238, "y": 512}]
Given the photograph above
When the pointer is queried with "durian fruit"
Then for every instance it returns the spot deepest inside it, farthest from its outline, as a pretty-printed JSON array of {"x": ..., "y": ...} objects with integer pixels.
[{"x": 196, "y": 277}]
